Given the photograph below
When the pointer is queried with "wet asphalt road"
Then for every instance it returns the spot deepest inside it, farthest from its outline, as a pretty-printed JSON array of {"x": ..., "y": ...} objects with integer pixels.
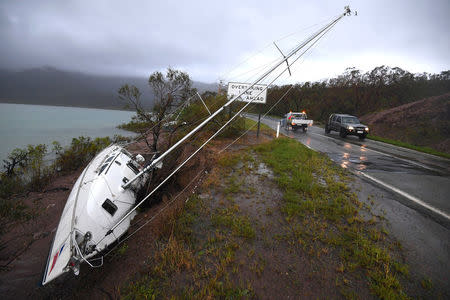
[{"x": 422, "y": 180}]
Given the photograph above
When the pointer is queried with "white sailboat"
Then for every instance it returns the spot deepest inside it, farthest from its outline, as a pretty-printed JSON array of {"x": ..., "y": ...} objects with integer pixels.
[
  {"x": 102, "y": 202},
  {"x": 96, "y": 203}
]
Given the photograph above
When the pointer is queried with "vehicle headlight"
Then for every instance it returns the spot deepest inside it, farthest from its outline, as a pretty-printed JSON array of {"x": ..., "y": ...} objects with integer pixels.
[
  {"x": 350, "y": 127},
  {"x": 366, "y": 129}
]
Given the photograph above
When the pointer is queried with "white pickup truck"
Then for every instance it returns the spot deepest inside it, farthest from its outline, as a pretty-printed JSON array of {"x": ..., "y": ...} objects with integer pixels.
[{"x": 295, "y": 120}]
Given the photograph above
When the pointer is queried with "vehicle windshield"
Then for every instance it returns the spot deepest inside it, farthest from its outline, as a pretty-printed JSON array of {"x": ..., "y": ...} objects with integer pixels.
[{"x": 350, "y": 120}]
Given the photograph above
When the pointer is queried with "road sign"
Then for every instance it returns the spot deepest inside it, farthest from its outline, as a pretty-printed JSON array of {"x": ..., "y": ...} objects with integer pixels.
[{"x": 257, "y": 93}]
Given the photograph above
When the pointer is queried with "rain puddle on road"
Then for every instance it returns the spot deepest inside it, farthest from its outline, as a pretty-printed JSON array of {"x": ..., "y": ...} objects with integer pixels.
[
  {"x": 359, "y": 163},
  {"x": 377, "y": 163},
  {"x": 359, "y": 157}
]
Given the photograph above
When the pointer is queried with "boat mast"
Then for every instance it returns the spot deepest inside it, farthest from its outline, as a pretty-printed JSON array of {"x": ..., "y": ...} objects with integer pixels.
[
  {"x": 347, "y": 12},
  {"x": 284, "y": 59}
]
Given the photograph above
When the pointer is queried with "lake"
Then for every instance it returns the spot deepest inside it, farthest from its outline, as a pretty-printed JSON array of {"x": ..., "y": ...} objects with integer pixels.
[{"x": 22, "y": 124}]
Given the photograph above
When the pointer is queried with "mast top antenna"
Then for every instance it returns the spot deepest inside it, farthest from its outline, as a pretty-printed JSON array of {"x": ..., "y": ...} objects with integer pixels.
[{"x": 348, "y": 11}]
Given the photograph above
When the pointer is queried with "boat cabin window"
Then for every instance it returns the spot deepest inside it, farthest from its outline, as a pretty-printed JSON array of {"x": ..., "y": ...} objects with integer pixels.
[
  {"x": 110, "y": 207},
  {"x": 102, "y": 168},
  {"x": 131, "y": 165}
]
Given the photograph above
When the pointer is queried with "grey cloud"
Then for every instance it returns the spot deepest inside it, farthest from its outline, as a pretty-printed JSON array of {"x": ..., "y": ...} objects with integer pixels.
[{"x": 207, "y": 37}]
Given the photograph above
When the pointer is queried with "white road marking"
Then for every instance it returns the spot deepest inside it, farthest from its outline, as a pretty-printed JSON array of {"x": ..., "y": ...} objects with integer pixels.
[{"x": 408, "y": 196}]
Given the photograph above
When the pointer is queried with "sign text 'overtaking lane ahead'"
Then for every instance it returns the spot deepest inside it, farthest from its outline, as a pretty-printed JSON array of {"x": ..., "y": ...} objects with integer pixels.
[{"x": 256, "y": 94}]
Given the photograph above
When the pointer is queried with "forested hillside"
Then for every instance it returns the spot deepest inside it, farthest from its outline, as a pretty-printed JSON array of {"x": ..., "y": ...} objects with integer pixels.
[
  {"x": 358, "y": 93},
  {"x": 425, "y": 122}
]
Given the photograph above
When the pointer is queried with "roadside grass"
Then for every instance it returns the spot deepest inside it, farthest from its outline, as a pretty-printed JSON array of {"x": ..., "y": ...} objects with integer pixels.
[
  {"x": 327, "y": 216},
  {"x": 184, "y": 265},
  {"x": 254, "y": 126},
  {"x": 409, "y": 146},
  {"x": 210, "y": 242}
]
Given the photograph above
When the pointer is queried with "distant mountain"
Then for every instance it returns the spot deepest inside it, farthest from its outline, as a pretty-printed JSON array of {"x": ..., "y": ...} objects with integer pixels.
[{"x": 50, "y": 86}]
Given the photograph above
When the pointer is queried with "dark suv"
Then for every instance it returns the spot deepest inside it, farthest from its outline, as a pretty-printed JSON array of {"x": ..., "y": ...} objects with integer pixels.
[{"x": 346, "y": 125}]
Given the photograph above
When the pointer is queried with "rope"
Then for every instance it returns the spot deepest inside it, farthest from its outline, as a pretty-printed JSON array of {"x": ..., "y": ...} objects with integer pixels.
[
  {"x": 156, "y": 214},
  {"x": 255, "y": 53},
  {"x": 142, "y": 135},
  {"x": 281, "y": 98},
  {"x": 304, "y": 29},
  {"x": 235, "y": 140},
  {"x": 232, "y": 118}
]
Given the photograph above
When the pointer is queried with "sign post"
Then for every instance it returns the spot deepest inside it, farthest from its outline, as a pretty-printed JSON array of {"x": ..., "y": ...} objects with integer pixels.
[
  {"x": 259, "y": 122},
  {"x": 257, "y": 94}
]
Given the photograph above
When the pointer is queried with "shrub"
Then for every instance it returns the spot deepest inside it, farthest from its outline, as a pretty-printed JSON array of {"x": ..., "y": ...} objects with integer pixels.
[
  {"x": 26, "y": 169},
  {"x": 80, "y": 151}
]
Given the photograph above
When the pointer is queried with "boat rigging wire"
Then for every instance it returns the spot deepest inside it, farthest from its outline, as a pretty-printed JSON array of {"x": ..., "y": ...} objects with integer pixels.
[
  {"x": 262, "y": 77},
  {"x": 255, "y": 53},
  {"x": 265, "y": 75},
  {"x": 157, "y": 213},
  {"x": 270, "y": 109},
  {"x": 173, "y": 200},
  {"x": 142, "y": 135},
  {"x": 216, "y": 133}
]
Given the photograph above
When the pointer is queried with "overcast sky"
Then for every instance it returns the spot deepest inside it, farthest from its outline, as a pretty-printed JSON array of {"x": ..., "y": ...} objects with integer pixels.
[{"x": 211, "y": 39}]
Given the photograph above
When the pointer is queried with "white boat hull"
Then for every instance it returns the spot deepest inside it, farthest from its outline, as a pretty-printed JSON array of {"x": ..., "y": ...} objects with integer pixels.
[{"x": 97, "y": 202}]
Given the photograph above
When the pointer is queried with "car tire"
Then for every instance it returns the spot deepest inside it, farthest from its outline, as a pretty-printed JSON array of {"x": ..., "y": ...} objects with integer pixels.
[
  {"x": 327, "y": 130},
  {"x": 342, "y": 133}
]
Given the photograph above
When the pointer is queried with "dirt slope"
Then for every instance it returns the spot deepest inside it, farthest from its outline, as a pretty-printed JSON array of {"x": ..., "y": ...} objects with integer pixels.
[
  {"x": 423, "y": 123},
  {"x": 24, "y": 246}
]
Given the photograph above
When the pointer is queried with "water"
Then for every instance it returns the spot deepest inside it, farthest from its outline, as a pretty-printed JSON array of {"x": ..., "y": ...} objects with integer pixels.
[{"x": 22, "y": 124}]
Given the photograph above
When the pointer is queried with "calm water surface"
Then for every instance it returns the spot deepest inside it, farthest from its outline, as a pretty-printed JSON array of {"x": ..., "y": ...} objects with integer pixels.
[{"x": 22, "y": 124}]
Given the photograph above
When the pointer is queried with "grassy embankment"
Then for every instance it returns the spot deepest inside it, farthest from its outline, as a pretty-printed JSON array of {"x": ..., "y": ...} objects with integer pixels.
[
  {"x": 298, "y": 229},
  {"x": 409, "y": 146},
  {"x": 253, "y": 126}
]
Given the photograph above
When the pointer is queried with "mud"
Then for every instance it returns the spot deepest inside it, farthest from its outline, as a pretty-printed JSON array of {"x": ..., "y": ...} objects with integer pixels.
[{"x": 271, "y": 263}]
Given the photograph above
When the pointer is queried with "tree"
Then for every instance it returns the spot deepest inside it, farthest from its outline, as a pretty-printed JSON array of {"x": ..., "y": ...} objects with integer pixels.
[
  {"x": 17, "y": 159},
  {"x": 170, "y": 91}
]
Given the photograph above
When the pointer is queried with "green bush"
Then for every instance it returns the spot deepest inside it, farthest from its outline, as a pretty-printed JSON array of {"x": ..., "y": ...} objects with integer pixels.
[
  {"x": 26, "y": 169},
  {"x": 196, "y": 112},
  {"x": 135, "y": 125},
  {"x": 80, "y": 152}
]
